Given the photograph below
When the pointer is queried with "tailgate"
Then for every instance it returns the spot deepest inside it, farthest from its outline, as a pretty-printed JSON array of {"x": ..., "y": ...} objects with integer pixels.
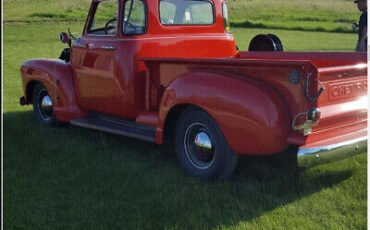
[
  {"x": 344, "y": 100},
  {"x": 342, "y": 128}
]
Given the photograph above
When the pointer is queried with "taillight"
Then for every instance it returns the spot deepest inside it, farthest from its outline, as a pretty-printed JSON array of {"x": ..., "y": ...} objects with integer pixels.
[{"x": 305, "y": 121}]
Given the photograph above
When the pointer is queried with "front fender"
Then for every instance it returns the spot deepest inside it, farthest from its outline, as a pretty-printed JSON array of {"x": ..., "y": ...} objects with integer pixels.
[
  {"x": 57, "y": 77},
  {"x": 253, "y": 116}
]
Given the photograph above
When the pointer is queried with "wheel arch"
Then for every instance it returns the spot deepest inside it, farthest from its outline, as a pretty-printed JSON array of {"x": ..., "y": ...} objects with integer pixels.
[
  {"x": 174, "y": 114},
  {"x": 56, "y": 76}
]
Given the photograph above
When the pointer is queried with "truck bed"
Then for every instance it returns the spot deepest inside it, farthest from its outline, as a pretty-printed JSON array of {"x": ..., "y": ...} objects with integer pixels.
[{"x": 343, "y": 103}]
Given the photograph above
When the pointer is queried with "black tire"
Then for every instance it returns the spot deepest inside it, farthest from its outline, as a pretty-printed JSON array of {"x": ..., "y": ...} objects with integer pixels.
[
  {"x": 262, "y": 42},
  {"x": 277, "y": 42},
  {"x": 195, "y": 130},
  {"x": 43, "y": 112}
]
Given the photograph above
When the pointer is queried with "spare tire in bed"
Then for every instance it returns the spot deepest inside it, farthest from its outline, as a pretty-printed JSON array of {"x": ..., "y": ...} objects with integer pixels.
[{"x": 265, "y": 42}]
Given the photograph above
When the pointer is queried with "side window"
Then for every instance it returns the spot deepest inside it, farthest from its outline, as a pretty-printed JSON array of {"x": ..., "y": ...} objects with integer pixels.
[
  {"x": 167, "y": 11},
  {"x": 186, "y": 12},
  {"x": 225, "y": 16},
  {"x": 134, "y": 17},
  {"x": 104, "y": 20}
]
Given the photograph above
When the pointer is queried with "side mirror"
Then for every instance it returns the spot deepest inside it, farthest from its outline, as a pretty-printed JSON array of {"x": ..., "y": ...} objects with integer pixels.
[{"x": 64, "y": 37}]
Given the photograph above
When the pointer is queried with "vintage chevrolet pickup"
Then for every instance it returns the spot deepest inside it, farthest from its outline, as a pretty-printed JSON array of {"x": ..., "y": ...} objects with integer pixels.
[{"x": 170, "y": 69}]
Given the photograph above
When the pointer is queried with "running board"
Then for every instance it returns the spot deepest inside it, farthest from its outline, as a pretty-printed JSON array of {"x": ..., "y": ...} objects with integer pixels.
[{"x": 117, "y": 126}]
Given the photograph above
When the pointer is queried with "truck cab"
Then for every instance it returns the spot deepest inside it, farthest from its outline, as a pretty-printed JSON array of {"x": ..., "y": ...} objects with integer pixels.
[{"x": 118, "y": 33}]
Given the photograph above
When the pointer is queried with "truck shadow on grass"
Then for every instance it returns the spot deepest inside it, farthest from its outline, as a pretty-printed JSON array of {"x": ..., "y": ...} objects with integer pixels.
[{"x": 70, "y": 177}]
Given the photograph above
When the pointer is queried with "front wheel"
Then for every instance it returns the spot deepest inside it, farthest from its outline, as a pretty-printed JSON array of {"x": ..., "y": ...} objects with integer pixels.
[
  {"x": 43, "y": 106},
  {"x": 201, "y": 148}
]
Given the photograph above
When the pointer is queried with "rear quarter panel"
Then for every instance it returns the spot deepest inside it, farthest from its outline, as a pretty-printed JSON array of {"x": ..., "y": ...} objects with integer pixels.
[{"x": 252, "y": 115}]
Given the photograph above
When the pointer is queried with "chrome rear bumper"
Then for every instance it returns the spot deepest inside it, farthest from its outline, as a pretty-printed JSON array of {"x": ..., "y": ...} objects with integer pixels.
[{"x": 308, "y": 157}]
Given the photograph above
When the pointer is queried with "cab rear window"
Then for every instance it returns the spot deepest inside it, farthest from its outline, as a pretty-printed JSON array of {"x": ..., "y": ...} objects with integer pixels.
[{"x": 185, "y": 12}]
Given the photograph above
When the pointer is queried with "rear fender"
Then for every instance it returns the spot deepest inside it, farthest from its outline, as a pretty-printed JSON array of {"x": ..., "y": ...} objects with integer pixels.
[
  {"x": 253, "y": 116},
  {"x": 57, "y": 77}
]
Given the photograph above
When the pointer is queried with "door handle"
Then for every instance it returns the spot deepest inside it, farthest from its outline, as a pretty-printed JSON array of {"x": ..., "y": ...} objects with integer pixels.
[{"x": 108, "y": 47}]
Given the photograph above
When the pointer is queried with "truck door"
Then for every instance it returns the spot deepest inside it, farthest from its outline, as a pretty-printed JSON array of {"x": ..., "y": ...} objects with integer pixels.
[{"x": 93, "y": 59}]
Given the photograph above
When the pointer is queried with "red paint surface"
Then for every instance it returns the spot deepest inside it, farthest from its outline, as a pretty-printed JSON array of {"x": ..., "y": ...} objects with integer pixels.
[
  {"x": 248, "y": 94},
  {"x": 56, "y": 76}
]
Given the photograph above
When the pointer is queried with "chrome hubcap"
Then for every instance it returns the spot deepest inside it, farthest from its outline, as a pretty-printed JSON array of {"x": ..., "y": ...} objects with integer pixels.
[
  {"x": 45, "y": 105},
  {"x": 203, "y": 144},
  {"x": 198, "y": 146}
]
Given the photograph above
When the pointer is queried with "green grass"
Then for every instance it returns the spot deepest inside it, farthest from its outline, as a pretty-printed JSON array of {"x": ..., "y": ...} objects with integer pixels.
[
  {"x": 74, "y": 178},
  {"x": 299, "y": 40},
  {"x": 306, "y": 15},
  {"x": 45, "y": 10}
]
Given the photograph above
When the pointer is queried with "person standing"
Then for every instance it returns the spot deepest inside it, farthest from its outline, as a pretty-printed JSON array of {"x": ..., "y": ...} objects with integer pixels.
[{"x": 362, "y": 27}]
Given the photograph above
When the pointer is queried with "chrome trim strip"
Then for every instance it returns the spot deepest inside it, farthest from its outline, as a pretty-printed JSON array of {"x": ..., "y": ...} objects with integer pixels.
[
  {"x": 308, "y": 157},
  {"x": 108, "y": 47}
]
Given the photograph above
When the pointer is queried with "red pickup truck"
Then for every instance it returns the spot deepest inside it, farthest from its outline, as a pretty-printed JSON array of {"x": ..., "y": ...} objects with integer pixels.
[{"x": 170, "y": 69}]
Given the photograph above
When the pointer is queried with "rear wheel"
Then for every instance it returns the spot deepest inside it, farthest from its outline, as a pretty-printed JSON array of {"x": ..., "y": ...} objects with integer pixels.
[
  {"x": 201, "y": 148},
  {"x": 43, "y": 106}
]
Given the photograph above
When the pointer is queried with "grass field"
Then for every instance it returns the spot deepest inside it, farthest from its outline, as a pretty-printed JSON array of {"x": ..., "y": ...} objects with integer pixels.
[
  {"x": 306, "y": 15},
  {"x": 309, "y": 15},
  {"x": 74, "y": 178}
]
